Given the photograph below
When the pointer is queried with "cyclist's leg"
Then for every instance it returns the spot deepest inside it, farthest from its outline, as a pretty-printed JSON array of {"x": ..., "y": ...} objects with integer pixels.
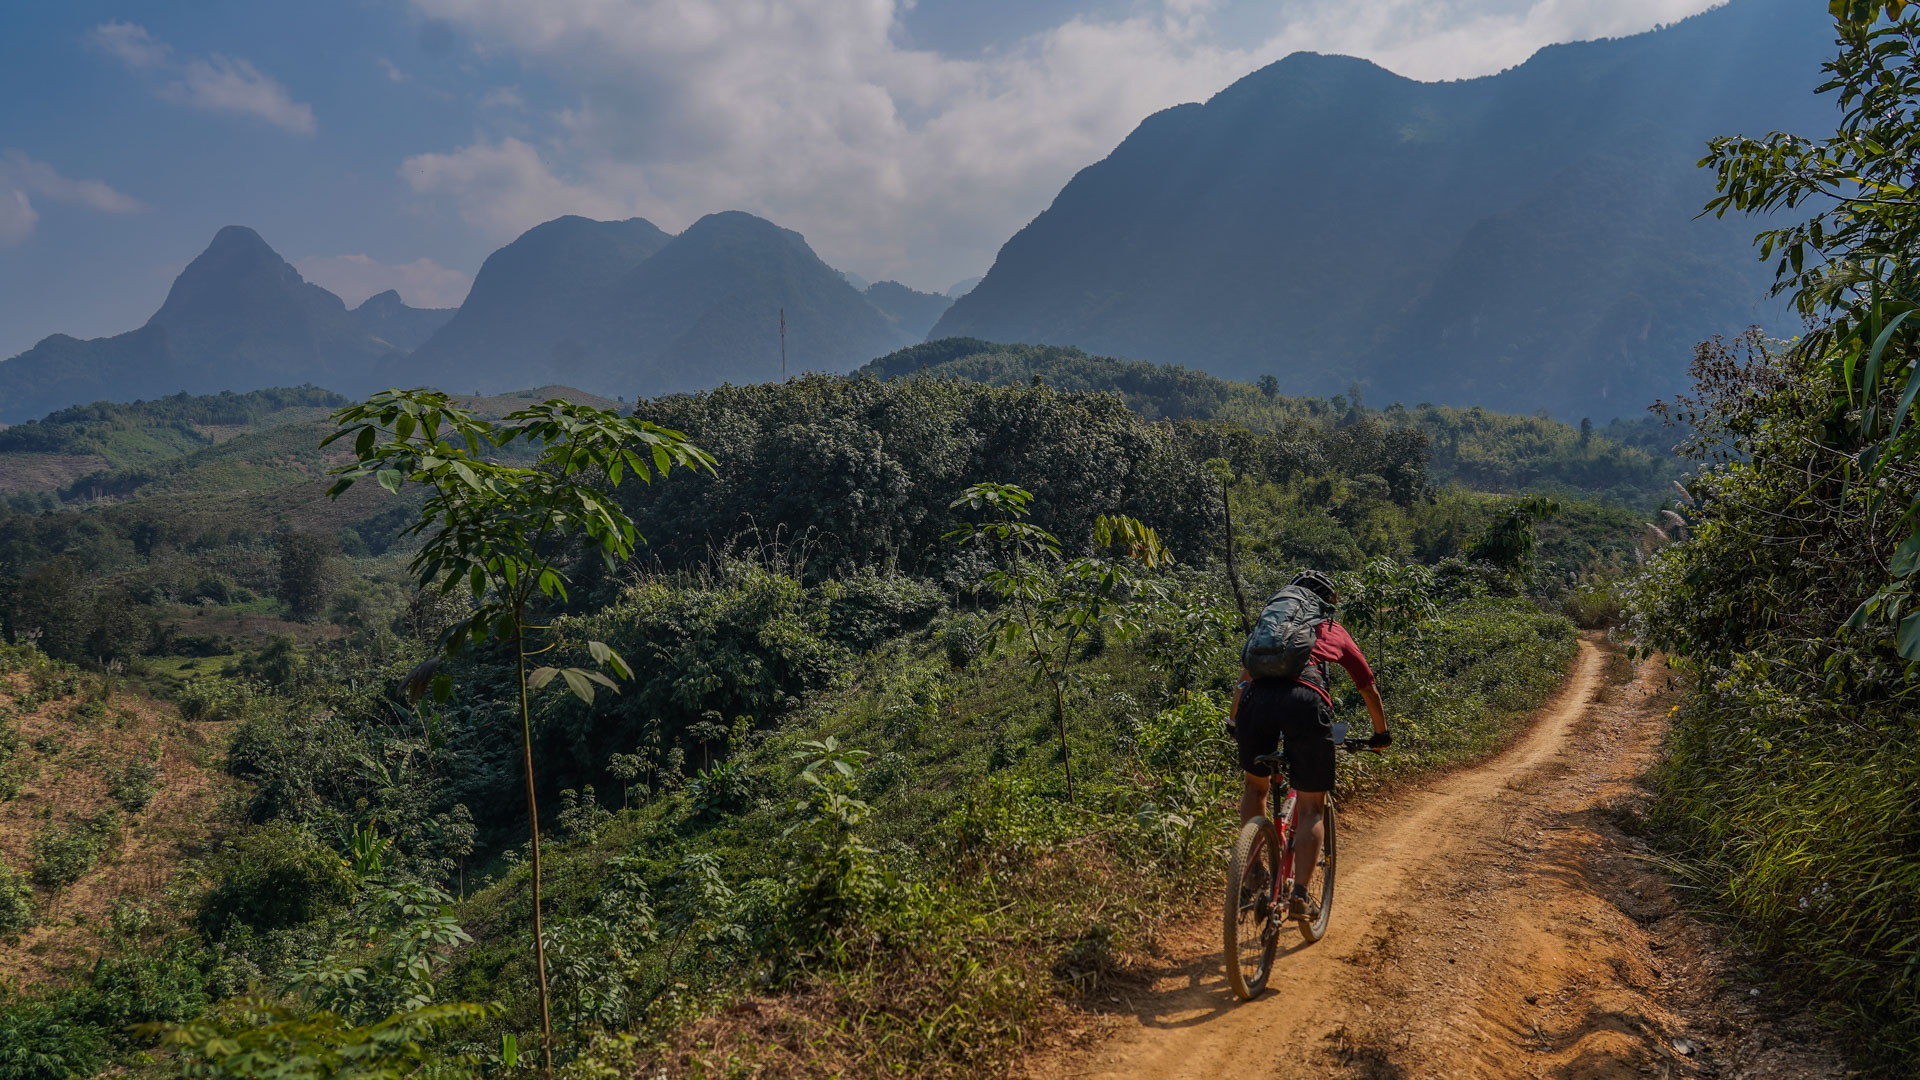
[
  {"x": 1253, "y": 796},
  {"x": 1307, "y": 725},
  {"x": 1256, "y": 731},
  {"x": 1309, "y": 817}
]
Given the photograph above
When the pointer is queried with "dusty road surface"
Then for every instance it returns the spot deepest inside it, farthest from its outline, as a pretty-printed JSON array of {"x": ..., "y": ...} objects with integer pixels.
[{"x": 1496, "y": 922}]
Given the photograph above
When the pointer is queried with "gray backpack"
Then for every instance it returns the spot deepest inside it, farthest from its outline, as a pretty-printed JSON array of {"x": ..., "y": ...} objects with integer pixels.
[{"x": 1282, "y": 641}]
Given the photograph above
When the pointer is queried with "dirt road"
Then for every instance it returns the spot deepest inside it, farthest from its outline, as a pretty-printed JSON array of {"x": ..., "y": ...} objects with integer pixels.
[{"x": 1496, "y": 922}]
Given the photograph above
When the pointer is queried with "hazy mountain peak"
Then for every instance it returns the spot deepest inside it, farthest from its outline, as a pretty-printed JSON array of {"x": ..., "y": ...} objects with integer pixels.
[{"x": 1522, "y": 240}]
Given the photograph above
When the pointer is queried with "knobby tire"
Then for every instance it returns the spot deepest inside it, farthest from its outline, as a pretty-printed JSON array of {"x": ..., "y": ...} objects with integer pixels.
[{"x": 1251, "y": 913}]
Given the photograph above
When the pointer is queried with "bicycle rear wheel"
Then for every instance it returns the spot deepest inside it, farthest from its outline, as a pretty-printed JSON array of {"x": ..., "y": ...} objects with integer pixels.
[
  {"x": 1251, "y": 925},
  {"x": 1317, "y": 929}
]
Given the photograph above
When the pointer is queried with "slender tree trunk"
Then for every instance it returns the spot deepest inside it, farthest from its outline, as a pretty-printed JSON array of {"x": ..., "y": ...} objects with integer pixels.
[
  {"x": 1233, "y": 571},
  {"x": 533, "y": 817},
  {"x": 1060, "y": 719}
]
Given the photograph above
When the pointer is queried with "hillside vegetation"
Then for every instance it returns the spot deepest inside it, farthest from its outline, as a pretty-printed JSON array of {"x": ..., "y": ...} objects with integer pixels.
[
  {"x": 1630, "y": 462},
  {"x": 927, "y": 906},
  {"x": 1788, "y": 590}
]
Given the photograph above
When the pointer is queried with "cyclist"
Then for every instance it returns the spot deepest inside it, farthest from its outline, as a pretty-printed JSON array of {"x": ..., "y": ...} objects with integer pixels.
[{"x": 1298, "y": 713}]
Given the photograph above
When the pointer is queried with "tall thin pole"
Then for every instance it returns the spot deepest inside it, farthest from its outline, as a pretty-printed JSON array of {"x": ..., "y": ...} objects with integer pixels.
[{"x": 783, "y": 344}]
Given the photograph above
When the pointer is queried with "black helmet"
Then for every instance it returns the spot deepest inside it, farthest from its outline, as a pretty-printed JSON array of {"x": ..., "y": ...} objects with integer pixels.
[{"x": 1320, "y": 584}]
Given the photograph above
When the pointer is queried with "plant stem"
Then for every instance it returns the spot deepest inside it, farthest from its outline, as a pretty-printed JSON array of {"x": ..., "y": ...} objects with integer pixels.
[
  {"x": 1233, "y": 572},
  {"x": 533, "y": 817},
  {"x": 1060, "y": 718}
]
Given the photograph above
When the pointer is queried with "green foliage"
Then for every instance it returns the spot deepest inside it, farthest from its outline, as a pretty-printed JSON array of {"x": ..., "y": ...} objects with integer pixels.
[
  {"x": 1051, "y": 605},
  {"x": 16, "y": 901},
  {"x": 494, "y": 528},
  {"x": 834, "y": 878},
  {"x": 273, "y": 876},
  {"x": 307, "y": 576},
  {"x": 383, "y": 955},
  {"x": 1788, "y": 587},
  {"x": 258, "y": 1038},
  {"x": 1487, "y": 451},
  {"x": 720, "y": 790},
  {"x": 62, "y": 853},
  {"x": 147, "y": 431},
  {"x": 1508, "y": 543},
  {"x": 132, "y": 785},
  {"x": 41, "y": 1041}
]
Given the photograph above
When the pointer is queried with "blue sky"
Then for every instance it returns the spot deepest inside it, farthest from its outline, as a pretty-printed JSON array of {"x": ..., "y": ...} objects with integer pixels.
[{"x": 379, "y": 143}]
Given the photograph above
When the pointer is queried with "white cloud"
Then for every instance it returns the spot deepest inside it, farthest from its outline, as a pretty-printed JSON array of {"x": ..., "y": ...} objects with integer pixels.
[
  {"x": 24, "y": 174},
  {"x": 212, "y": 83},
  {"x": 901, "y": 162},
  {"x": 393, "y": 72},
  {"x": 22, "y": 179},
  {"x": 503, "y": 187},
  {"x": 353, "y": 278},
  {"x": 131, "y": 44},
  {"x": 17, "y": 216}
]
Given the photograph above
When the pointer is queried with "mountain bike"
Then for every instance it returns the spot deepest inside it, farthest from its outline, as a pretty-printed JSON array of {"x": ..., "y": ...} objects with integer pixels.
[{"x": 1260, "y": 879}]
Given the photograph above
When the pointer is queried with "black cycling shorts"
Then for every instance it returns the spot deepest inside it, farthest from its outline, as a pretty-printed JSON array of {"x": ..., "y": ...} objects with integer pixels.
[{"x": 1279, "y": 712}]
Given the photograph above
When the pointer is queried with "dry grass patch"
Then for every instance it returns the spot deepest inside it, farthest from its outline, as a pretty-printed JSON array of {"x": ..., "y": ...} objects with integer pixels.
[{"x": 70, "y": 750}]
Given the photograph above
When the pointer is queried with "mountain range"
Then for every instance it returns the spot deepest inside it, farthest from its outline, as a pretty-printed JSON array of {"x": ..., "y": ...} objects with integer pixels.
[
  {"x": 239, "y": 317},
  {"x": 1521, "y": 241},
  {"x": 1528, "y": 240},
  {"x": 619, "y": 308}
]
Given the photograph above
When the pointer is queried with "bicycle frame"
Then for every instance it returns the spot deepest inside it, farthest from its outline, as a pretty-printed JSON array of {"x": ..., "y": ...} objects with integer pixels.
[{"x": 1282, "y": 818}]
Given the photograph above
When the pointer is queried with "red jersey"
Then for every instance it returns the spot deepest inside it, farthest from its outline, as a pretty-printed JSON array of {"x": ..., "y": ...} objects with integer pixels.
[{"x": 1335, "y": 645}]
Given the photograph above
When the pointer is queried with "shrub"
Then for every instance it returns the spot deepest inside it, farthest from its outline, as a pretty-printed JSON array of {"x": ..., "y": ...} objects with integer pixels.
[
  {"x": 41, "y": 1041},
  {"x": 16, "y": 901},
  {"x": 581, "y": 814},
  {"x": 965, "y": 641},
  {"x": 62, "y": 853},
  {"x": 1595, "y": 606},
  {"x": 869, "y": 607},
  {"x": 132, "y": 786},
  {"x": 721, "y": 790},
  {"x": 214, "y": 700},
  {"x": 273, "y": 877}
]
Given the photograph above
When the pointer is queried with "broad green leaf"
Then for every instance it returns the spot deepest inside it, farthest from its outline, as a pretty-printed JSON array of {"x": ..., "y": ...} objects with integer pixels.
[
  {"x": 391, "y": 479},
  {"x": 1906, "y": 557},
  {"x": 539, "y": 677},
  {"x": 577, "y": 682},
  {"x": 1909, "y": 637}
]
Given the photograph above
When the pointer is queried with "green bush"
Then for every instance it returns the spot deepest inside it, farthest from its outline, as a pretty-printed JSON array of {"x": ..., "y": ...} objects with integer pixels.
[
  {"x": 16, "y": 901},
  {"x": 133, "y": 785},
  {"x": 964, "y": 639},
  {"x": 273, "y": 877},
  {"x": 214, "y": 699},
  {"x": 41, "y": 1041},
  {"x": 1595, "y": 606},
  {"x": 63, "y": 853}
]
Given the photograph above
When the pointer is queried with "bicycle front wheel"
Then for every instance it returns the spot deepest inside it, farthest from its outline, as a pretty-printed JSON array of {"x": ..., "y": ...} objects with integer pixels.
[
  {"x": 1317, "y": 929},
  {"x": 1251, "y": 926}
]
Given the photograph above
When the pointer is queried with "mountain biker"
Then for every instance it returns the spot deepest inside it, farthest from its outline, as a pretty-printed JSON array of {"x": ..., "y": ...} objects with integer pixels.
[{"x": 1298, "y": 713}]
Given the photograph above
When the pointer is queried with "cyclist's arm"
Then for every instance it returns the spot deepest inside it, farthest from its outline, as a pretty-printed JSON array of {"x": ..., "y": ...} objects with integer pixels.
[
  {"x": 1375, "y": 708},
  {"x": 1233, "y": 712}
]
